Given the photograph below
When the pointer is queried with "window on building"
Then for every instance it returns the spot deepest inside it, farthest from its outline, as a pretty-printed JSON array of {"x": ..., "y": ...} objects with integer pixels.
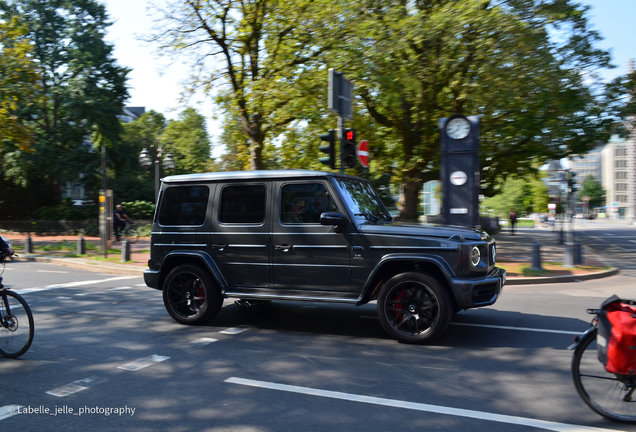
[
  {"x": 621, "y": 164},
  {"x": 621, "y": 152},
  {"x": 621, "y": 175}
]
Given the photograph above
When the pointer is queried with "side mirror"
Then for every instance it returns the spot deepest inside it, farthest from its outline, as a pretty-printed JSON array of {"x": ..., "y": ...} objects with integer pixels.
[{"x": 335, "y": 219}]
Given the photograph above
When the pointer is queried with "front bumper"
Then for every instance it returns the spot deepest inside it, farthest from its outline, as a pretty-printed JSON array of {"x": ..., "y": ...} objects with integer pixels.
[{"x": 476, "y": 292}]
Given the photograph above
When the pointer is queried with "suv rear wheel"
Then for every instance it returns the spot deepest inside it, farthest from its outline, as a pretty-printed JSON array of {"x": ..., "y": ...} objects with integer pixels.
[
  {"x": 414, "y": 308},
  {"x": 190, "y": 295}
]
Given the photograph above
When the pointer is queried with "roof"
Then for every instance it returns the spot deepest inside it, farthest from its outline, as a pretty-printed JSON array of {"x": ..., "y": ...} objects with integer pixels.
[{"x": 250, "y": 175}]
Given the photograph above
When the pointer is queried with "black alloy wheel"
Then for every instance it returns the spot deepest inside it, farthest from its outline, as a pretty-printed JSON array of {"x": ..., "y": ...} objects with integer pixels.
[
  {"x": 414, "y": 308},
  {"x": 190, "y": 296}
]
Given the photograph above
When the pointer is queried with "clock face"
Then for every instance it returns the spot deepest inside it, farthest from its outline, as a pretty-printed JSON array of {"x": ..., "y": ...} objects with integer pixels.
[{"x": 458, "y": 128}]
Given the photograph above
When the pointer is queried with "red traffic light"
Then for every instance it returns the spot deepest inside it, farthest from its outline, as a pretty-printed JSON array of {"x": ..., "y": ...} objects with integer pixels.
[{"x": 350, "y": 135}]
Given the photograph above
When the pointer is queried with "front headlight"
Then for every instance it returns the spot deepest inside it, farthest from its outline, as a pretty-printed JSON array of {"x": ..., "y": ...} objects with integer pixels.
[{"x": 475, "y": 256}]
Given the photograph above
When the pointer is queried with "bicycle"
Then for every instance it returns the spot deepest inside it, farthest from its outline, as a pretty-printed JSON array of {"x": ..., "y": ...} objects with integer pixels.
[
  {"x": 16, "y": 320},
  {"x": 130, "y": 232},
  {"x": 610, "y": 395}
]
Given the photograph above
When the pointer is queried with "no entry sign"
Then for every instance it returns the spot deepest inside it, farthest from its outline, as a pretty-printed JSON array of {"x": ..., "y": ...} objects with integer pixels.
[{"x": 362, "y": 152}]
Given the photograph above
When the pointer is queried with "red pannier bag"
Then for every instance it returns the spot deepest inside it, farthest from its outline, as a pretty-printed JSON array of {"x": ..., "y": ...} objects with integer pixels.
[{"x": 616, "y": 337}]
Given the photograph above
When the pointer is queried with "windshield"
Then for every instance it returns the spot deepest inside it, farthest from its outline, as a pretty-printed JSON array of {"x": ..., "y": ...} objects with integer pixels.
[{"x": 362, "y": 201}]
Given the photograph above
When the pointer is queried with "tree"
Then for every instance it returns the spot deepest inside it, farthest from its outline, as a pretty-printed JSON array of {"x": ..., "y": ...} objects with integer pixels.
[
  {"x": 82, "y": 90},
  {"x": 593, "y": 189},
  {"x": 188, "y": 141},
  {"x": 416, "y": 62},
  {"x": 262, "y": 56},
  {"x": 523, "y": 194},
  {"x": 18, "y": 84}
]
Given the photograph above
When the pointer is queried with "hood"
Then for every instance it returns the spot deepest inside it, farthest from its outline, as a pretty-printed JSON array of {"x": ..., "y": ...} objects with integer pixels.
[{"x": 439, "y": 231}]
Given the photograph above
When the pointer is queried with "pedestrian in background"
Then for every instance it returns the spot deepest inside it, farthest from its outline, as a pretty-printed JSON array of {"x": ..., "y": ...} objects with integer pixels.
[{"x": 513, "y": 221}]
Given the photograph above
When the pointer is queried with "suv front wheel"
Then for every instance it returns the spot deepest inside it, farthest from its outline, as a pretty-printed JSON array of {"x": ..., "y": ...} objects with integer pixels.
[
  {"x": 190, "y": 295},
  {"x": 414, "y": 308}
]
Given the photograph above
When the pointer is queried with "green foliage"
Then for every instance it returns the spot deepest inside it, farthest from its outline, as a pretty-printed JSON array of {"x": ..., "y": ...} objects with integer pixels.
[
  {"x": 82, "y": 90},
  {"x": 188, "y": 141},
  {"x": 139, "y": 209},
  {"x": 594, "y": 189},
  {"x": 523, "y": 195}
]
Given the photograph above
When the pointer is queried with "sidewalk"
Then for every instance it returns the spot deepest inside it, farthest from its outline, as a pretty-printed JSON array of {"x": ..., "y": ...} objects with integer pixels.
[{"x": 513, "y": 253}]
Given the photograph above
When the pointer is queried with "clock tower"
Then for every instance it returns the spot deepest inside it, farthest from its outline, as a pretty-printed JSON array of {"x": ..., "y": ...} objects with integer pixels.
[{"x": 459, "y": 136}]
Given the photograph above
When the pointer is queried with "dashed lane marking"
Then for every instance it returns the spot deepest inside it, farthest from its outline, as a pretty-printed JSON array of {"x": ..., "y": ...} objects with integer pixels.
[
  {"x": 119, "y": 288},
  {"x": 142, "y": 362},
  {"x": 204, "y": 341},
  {"x": 76, "y": 386},
  {"x": 50, "y": 271},
  {"x": 529, "y": 329},
  {"x": 73, "y": 284},
  {"x": 9, "y": 410},
  {"x": 235, "y": 330},
  {"x": 437, "y": 409}
]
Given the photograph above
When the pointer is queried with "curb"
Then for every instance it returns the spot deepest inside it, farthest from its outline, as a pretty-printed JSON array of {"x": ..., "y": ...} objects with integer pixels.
[
  {"x": 558, "y": 279},
  {"x": 83, "y": 265}
]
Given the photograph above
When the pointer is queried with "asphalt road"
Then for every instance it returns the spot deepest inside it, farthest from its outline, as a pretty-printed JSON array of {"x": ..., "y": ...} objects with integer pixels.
[{"x": 105, "y": 342}]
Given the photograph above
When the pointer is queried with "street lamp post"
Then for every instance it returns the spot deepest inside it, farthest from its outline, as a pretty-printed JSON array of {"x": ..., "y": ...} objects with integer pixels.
[{"x": 148, "y": 158}]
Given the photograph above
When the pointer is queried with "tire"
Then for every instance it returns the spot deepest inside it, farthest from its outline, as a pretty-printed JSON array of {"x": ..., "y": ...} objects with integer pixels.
[
  {"x": 190, "y": 296},
  {"x": 414, "y": 308},
  {"x": 16, "y": 328},
  {"x": 604, "y": 392}
]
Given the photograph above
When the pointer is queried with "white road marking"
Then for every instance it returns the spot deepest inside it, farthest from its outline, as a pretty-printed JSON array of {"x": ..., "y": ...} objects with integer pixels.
[
  {"x": 73, "y": 284},
  {"x": 119, "y": 288},
  {"x": 50, "y": 271},
  {"x": 142, "y": 362},
  {"x": 143, "y": 285},
  {"x": 518, "y": 328},
  {"x": 75, "y": 386},
  {"x": 86, "y": 293},
  {"x": 9, "y": 410},
  {"x": 204, "y": 341},
  {"x": 438, "y": 409},
  {"x": 235, "y": 330}
]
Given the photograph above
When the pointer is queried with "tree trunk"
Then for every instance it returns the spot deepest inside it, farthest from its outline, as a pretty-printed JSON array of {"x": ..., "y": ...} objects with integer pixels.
[{"x": 410, "y": 198}]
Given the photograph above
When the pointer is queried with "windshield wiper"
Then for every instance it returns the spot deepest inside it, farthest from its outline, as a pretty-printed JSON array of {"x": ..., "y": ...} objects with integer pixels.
[
  {"x": 384, "y": 215},
  {"x": 368, "y": 216}
]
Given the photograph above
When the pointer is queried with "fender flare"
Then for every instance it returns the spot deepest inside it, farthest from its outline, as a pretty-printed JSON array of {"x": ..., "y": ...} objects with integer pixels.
[
  {"x": 373, "y": 280},
  {"x": 203, "y": 258}
]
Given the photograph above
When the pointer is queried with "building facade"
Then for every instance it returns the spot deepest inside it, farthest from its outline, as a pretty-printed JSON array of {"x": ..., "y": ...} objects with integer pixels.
[{"x": 616, "y": 176}]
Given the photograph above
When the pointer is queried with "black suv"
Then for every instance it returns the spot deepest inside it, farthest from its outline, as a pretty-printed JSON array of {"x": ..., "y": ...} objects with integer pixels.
[{"x": 306, "y": 235}]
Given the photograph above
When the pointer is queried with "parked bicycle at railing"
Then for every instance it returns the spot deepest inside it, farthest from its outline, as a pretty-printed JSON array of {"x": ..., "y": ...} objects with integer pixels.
[
  {"x": 16, "y": 319},
  {"x": 604, "y": 361}
]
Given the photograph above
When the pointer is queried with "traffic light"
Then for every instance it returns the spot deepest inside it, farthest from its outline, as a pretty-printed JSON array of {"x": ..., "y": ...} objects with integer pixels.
[
  {"x": 571, "y": 177},
  {"x": 330, "y": 149},
  {"x": 349, "y": 148}
]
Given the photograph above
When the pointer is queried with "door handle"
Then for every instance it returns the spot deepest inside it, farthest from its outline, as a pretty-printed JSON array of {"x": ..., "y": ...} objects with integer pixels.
[
  {"x": 219, "y": 246},
  {"x": 283, "y": 247}
]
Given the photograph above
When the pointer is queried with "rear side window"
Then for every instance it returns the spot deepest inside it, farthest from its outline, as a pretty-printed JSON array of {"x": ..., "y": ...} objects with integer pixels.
[
  {"x": 243, "y": 204},
  {"x": 184, "y": 205}
]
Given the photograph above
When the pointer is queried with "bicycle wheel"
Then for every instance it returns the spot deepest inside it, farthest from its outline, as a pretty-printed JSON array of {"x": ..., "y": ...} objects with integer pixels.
[
  {"x": 16, "y": 325},
  {"x": 609, "y": 395},
  {"x": 131, "y": 234}
]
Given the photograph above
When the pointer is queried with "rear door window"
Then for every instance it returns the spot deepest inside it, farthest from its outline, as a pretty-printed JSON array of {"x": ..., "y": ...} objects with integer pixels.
[
  {"x": 243, "y": 204},
  {"x": 184, "y": 205}
]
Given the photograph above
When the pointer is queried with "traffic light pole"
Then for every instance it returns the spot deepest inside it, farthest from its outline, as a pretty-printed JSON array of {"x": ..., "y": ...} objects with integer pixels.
[{"x": 341, "y": 140}]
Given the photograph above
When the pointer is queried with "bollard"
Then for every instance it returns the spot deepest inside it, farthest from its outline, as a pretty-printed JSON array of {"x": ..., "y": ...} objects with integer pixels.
[
  {"x": 568, "y": 256},
  {"x": 28, "y": 246},
  {"x": 81, "y": 246},
  {"x": 578, "y": 254},
  {"x": 561, "y": 235},
  {"x": 536, "y": 256},
  {"x": 125, "y": 251}
]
